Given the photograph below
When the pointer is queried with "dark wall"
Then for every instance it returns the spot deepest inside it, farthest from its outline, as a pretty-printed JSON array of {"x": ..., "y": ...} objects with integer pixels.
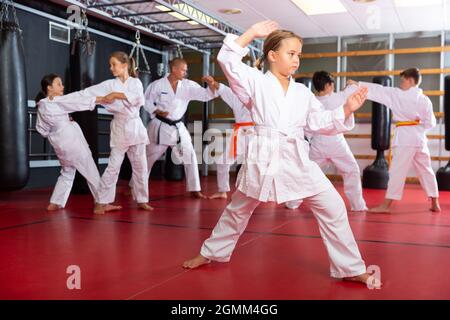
[{"x": 44, "y": 56}]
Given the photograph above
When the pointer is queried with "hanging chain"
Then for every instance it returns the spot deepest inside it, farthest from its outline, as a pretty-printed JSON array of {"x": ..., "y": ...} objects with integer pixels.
[
  {"x": 137, "y": 47},
  {"x": 4, "y": 12}
]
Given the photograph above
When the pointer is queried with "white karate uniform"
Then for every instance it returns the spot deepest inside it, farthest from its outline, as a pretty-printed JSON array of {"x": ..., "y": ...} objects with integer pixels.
[
  {"x": 160, "y": 95},
  {"x": 241, "y": 115},
  {"x": 128, "y": 136},
  {"x": 409, "y": 145},
  {"x": 326, "y": 149},
  {"x": 278, "y": 167},
  {"x": 69, "y": 143}
]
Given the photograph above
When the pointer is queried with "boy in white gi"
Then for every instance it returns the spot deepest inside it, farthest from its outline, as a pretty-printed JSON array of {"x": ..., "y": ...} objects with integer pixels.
[
  {"x": 277, "y": 167},
  {"x": 413, "y": 113},
  {"x": 325, "y": 149}
]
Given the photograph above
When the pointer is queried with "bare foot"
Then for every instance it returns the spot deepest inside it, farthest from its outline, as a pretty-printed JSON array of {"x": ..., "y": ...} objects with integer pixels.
[
  {"x": 219, "y": 195},
  {"x": 145, "y": 206},
  {"x": 53, "y": 207},
  {"x": 435, "y": 205},
  {"x": 102, "y": 208},
  {"x": 99, "y": 208},
  {"x": 196, "y": 262},
  {"x": 197, "y": 195},
  {"x": 380, "y": 209},
  {"x": 110, "y": 207},
  {"x": 365, "y": 278}
]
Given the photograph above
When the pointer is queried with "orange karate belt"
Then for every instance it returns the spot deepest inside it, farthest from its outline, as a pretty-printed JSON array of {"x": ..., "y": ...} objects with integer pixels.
[
  {"x": 236, "y": 126},
  {"x": 407, "y": 123},
  {"x": 401, "y": 124}
]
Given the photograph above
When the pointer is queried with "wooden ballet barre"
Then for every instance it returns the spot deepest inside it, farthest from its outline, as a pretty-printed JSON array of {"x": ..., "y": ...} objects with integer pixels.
[
  {"x": 374, "y": 73},
  {"x": 372, "y": 157},
  {"x": 368, "y": 115},
  {"x": 356, "y": 53},
  {"x": 368, "y": 136},
  {"x": 382, "y": 52}
]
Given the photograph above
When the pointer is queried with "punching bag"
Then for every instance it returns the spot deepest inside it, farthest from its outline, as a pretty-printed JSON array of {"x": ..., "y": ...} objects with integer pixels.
[
  {"x": 443, "y": 174},
  {"x": 14, "y": 162},
  {"x": 376, "y": 176},
  {"x": 306, "y": 81},
  {"x": 172, "y": 171},
  {"x": 82, "y": 71}
]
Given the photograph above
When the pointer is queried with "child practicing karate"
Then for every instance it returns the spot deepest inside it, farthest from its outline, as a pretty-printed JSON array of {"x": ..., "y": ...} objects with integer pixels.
[
  {"x": 54, "y": 123},
  {"x": 237, "y": 147},
  {"x": 413, "y": 113},
  {"x": 166, "y": 100},
  {"x": 128, "y": 134},
  {"x": 277, "y": 167},
  {"x": 325, "y": 149}
]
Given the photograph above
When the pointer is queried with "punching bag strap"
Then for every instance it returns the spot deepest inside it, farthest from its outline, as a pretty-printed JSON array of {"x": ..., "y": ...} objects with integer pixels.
[
  {"x": 82, "y": 35},
  {"x": 7, "y": 6},
  {"x": 137, "y": 47}
]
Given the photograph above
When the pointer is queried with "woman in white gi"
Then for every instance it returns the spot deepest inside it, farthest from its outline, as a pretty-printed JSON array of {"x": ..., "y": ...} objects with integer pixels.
[
  {"x": 278, "y": 167},
  {"x": 413, "y": 113},
  {"x": 166, "y": 101},
  {"x": 325, "y": 149},
  {"x": 128, "y": 133},
  {"x": 54, "y": 123},
  {"x": 236, "y": 147}
]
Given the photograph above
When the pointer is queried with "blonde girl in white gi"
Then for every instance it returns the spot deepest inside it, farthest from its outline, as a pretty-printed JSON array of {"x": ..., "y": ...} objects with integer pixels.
[
  {"x": 234, "y": 149},
  {"x": 128, "y": 134},
  {"x": 54, "y": 123},
  {"x": 278, "y": 167},
  {"x": 334, "y": 149},
  {"x": 413, "y": 114}
]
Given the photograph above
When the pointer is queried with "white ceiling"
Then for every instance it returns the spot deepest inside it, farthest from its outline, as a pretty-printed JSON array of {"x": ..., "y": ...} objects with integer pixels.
[{"x": 380, "y": 16}]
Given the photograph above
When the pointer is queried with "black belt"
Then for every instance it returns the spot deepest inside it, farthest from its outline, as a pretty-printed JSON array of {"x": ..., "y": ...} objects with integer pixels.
[{"x": 172, "y": 123}]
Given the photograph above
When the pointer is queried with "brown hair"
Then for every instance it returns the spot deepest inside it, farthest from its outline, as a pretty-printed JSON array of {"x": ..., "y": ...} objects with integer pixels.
[
  {"x": 125, "y": 58},
  {"x": 411, "y": 73},
  {"x": 273, "y": 42},
  {"x": 176, "y": 61}
]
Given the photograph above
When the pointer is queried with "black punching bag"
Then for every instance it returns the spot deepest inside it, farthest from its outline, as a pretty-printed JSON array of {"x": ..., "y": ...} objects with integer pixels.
[
  {"x": 172, "y": 171},
  {"x": 306, "y": 81},
  {"x": 14, "y": 162},
  {"x": 146, "y": 79},
  {"x": 82, "y": 71},
  {"x": 376, "y": 176},
  {"x": 126, "y": 170},
  {"x": 443, "y": 174}
]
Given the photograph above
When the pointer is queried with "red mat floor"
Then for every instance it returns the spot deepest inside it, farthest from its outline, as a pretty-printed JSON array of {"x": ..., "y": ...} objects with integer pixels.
[{"x": 138, "y": 255}]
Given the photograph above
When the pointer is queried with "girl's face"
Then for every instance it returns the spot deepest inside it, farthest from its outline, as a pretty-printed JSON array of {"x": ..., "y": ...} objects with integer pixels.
[
  {"x": 56, "y": 89},
  {"x": 286, "y": 59},
  {"x": 118, "y": 68}
]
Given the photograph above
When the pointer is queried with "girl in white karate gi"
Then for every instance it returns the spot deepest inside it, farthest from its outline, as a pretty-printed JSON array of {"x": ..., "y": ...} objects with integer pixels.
[
  {"x": 413, "y": 113},
  {"x": 128, "y": 134},
  {"x": 325, "y": 149},
  {"x": 235, "y": 148},
  {"x": 278, "y": 167},
  {"x": 54, "y": 123}
]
